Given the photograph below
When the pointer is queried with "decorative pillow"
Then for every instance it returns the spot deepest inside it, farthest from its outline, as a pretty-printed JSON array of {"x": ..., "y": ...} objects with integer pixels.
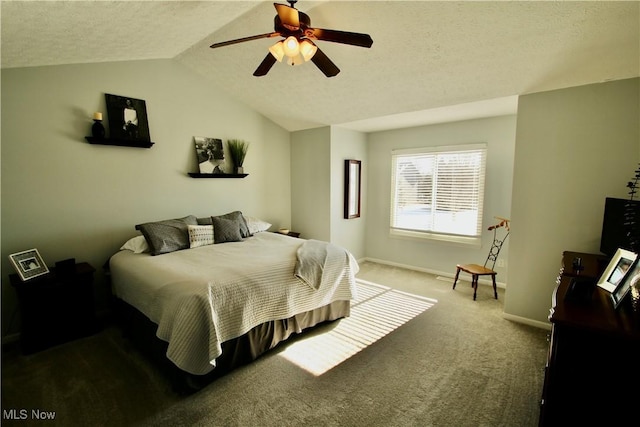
[
  {"x": 204, "y": 221},
  {"x": 136, "y": 245},
  {"x": 200, "y": 235},
  {"x": 167, "y": 236},
  {"x": 256, "y": 225},
  {"x": 225, "y": 230},
  {"x": 235, "y": 216}
]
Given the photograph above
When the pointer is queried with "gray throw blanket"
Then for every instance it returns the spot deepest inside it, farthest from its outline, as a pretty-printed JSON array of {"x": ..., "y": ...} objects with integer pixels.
[{"x": 312, "y": 256}]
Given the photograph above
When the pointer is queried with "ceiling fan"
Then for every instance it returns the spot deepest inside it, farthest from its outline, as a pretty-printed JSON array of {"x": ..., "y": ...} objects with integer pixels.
[{"x": 297, "y": 44}]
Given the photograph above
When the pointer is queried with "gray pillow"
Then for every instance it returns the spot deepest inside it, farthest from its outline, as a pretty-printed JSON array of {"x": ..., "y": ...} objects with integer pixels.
[
  {"x": 235, "y": 216},
  {"x": 225, "y": 230},
  {"x": 168, "y": 235}
]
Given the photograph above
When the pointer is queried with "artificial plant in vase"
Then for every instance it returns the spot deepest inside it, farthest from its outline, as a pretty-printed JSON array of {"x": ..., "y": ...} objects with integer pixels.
[
  {"x": 632, "y": 214},
  {"x": 237, "y": 150}
]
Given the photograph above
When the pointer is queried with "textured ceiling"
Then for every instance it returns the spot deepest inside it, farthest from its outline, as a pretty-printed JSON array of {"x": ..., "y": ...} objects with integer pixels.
[{"x": 427, "y": 57}]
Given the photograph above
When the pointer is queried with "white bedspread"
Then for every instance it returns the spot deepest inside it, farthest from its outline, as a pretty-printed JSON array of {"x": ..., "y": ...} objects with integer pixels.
[{"x": 205, "y": 296}]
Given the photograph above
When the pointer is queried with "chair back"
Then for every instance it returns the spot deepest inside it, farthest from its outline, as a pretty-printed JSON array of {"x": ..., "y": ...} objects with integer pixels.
[{"x": 498, "y": 241}]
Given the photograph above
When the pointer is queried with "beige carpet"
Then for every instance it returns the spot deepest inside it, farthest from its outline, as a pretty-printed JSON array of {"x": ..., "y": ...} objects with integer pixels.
[{"x": 413, "y": 353}]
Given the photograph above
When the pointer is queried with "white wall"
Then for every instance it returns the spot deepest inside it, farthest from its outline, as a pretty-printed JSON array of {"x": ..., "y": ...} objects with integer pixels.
[
  {"x": 575, "y": 147},
  {"x": 68, "y": 198},
  {"x": 435, "y": 256}
]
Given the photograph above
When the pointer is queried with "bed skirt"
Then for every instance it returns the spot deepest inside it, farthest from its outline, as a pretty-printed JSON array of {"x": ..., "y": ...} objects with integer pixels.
[{"x": 240, "y": 351}]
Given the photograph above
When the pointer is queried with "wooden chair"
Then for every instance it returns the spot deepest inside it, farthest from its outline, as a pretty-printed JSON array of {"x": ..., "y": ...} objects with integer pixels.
[{"x": 476, "y": 270}]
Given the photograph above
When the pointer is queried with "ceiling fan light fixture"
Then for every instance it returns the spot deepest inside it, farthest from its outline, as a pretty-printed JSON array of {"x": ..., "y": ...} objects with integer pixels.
[
  {"x": 308, "y": 49},
  {"x": 277, "y": 50},
  {"x": 291, "y": 46}
]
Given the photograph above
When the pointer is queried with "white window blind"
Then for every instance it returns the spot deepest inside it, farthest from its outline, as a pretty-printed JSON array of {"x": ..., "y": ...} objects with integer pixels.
[{"x": 438, "y": 191}]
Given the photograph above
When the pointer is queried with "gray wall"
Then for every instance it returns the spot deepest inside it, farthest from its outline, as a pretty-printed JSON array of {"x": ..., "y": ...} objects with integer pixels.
[
  {"x": 317, "y": 186},
  {"x": 429, "y": 255},
  {"x": 311, "y": 183},
  {"x": 574, "y": 148},
  {"x": 68, "y": 198},
  {"x": 349, "y": 233}
]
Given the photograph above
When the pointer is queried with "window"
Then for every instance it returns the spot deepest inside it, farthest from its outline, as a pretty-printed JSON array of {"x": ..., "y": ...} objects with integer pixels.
[{"x": 437, "y": 192}]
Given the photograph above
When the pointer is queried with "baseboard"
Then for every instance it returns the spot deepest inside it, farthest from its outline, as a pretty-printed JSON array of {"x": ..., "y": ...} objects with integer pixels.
[
  {"x": 447, "y": 274},
  {"x": 525, "y": 321}
]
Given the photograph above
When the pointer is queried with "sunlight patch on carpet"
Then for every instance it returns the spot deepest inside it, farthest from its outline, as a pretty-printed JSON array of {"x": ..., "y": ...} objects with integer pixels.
[{"x": 377, "y": 311}]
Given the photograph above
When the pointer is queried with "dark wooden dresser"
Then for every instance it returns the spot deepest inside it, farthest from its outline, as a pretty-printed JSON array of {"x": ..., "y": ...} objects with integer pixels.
[{"x": 593, "y": 367}]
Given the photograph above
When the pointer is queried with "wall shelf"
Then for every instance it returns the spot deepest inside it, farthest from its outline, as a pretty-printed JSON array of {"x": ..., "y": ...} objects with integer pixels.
[
  {"x": 119, "y": 142},
  {"x": 217, "y": 175}
]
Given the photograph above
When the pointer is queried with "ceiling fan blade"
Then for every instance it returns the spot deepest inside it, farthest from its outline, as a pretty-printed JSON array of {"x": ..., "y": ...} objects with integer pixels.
[
  {"x": 344, "y": 37},
  {"x": 323, "y": 62},
  {"x": 288, "y": 16},
  {"x": 245, "y": 39},
  {"x": 265, "y": 65}
]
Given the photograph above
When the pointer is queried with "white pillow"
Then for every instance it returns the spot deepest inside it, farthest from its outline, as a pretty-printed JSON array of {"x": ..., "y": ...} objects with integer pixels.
[
  {"x": 200, "y": 235},
  {"x": 136, "y": 245},
  {"x": 256, "y": 225}
]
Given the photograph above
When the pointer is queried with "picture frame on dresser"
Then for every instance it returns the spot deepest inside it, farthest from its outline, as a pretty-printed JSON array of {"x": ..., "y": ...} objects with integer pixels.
[
  {"x": 632, "y": 278},
  {"x": 617, "y": 269},
  {"x": 28, "y": 264}
]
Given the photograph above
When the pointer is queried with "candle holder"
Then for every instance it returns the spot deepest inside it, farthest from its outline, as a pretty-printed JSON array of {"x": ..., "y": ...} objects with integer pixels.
[{"x": 97, "y": 129}]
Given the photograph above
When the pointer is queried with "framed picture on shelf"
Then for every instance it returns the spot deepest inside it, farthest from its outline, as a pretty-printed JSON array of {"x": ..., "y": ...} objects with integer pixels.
[
  {"x": 127, "y": 118},
  {"x": 28, "y": 264},
  {"x": 632, "y": 278},
  {"x": 210, "y": 154},
  {"x": 617, "y": 269}
]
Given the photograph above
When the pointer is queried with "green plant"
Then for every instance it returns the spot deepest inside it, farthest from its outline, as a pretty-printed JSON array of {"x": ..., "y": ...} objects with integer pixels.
[
  {"x": 237, "y": 150},
  {"x": 633, "y": 184},
  {"x": 632, "y": 213}
]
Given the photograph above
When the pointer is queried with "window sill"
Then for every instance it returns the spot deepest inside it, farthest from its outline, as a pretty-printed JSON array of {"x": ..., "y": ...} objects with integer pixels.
[{"x": 420, "y": 235}]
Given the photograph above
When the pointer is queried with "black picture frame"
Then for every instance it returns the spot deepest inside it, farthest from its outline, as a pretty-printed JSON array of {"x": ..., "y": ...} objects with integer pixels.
[
  {"x": 352, "y": 187},
  {"x": 127, "y": 118},
  {"x": 632, "y": 278},
  {"x": 209, "y": 154}
]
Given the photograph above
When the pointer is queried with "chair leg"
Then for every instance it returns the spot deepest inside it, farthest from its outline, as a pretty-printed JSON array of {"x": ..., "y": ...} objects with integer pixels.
[
  {"x": 456, "y": 279},
  {"x": 474, "y": 283},
  {"x": 495, "y": 291}
]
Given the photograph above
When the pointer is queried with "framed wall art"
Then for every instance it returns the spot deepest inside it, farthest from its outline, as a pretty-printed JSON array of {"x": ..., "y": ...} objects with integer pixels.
[
  {"x": 352, "y": 175},
  {"x": 210, "y": 154},
  {"x": 28, "y": 264},
  {"x": 127, "y": 118},
  {"x": 617, "y": 269}
]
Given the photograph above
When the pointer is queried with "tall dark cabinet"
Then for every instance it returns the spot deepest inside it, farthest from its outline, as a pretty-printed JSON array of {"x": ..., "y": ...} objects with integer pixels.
[{"x": 593, "y": 366}]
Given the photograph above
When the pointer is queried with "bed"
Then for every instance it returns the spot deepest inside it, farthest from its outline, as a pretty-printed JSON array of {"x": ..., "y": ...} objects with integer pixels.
[{"x": 202, "y": 296}]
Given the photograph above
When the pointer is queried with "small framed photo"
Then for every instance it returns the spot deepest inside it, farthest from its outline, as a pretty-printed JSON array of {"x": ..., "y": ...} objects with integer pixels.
[
  {"x": 617, "y": 269},
  {"x": 632, "y": 278},
  {"x": 29, "y": 264}
]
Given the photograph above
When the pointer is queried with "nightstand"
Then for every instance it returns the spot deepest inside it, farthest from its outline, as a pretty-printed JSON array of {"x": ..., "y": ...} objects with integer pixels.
[
  {"x": 290, "y": 233},
  {"x": 56, "y": 308}
]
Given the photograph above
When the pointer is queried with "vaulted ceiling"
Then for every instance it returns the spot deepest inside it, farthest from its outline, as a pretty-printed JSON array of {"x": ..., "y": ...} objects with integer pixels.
[{"x": 430, "y": 61}]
